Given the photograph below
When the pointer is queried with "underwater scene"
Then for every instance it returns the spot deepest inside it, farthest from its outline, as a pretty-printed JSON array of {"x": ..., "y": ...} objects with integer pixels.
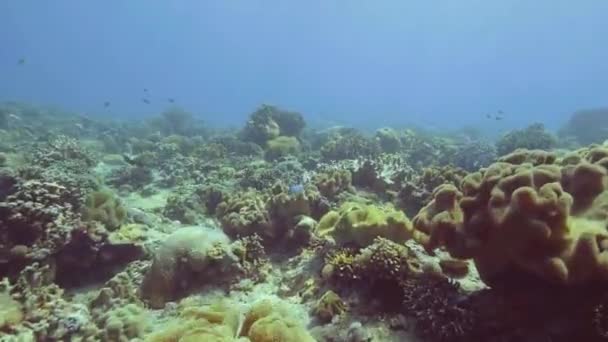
[{"x": 265, "y": 171}]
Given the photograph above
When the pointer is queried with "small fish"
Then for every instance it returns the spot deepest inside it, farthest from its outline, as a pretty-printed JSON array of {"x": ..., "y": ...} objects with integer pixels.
[
  {"x": 296, "y": 189},
  {"x": 498, "y": 118},
  {"x": 106, "y": 104},
  {"x": 488, "y": 116},
  {"x": 500, "y": 112},
  {"x": 171, "y": 100},
  {"x": 21, "y": 61},
  {"x": 146, "y": 101},
  {"x": 145, "y": 90}
]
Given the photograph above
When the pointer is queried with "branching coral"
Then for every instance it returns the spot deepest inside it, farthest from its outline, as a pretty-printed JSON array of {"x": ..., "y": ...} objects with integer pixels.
[
  {"x": 104, "y": 207},
  {"x": 415, "y": 193},
  {"x": 62, "y": 148},
  {"x": 350, "y": 145},
  {"x": 246, "y": 214},
  {"x": 440, "y": 311},
  {"x": 333, "y": 182}
]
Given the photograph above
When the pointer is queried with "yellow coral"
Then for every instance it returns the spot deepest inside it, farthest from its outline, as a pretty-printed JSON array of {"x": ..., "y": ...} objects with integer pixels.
[
  {"x": 11, "y": 312},
  {"x": 360, "y": 224}
]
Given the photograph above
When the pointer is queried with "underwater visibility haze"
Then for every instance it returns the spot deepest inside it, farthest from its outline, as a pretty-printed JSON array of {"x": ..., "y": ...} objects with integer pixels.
[{"x": 331, "y": 171}]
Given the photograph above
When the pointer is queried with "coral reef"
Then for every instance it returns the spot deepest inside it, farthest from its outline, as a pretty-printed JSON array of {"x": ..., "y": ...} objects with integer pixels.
[
  {"x": 188, "y": 258},
  {"x": 349, "y": 144},
  {"x": 532, "y": 137},
  {"x": 104, "y": 207},
  {"x": 587, "y": 126},
  {"x": 388, "y": 139},
  {"x": 279, "y": 233},
  {"x": 360, "y": 224},
  {"x": 547, "y": 221},
  {"x": 269, "y": 122},
  {"x": 282, "y": 146}
]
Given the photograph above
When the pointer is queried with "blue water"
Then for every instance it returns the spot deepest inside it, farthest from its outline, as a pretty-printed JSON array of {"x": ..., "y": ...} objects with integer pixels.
[{"x": 367, "y": 63}]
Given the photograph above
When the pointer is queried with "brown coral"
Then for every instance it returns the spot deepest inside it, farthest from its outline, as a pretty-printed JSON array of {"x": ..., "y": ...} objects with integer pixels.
[{"x": 545, "y": 220}]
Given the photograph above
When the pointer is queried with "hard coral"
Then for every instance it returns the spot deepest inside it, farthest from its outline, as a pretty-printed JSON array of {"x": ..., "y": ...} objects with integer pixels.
[
  {"x": 333, "y": 182},
  {"x": 349, "y": 145},
  {"x": 268, "y": 122},
  {"x": 104, "y": 207},
  {"x": 329, "y": 306},
  {"x": 245, "y": 214},
  {"x": 439, "y": 310},
  {"x": 532, "y": 137},
  {"x": 587, "y": 126},
  {"x": 548, "y": 221},
  {"x": 37, "y": 220},
  {"x": 282, "y": 146},
  {"x": 190, "y": 257}
]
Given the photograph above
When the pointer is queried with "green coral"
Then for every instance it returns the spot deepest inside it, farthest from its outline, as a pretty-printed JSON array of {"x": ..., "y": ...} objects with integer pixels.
[
  {"x": 333, "y": 182},
  {"x": 329, "y": 306},
  {"x": 104, "y": 207},
  {"x": 281, "y": 147},
  {"x": 360, "y": 224}
]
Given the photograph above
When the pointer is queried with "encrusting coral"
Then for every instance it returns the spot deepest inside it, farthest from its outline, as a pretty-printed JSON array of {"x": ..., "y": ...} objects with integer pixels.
[
  {"x": 104, "y": 207},
  {"x": 190, "y": 257},
  {"x": 547, "y": 221},
  {"x": 360, "y": 224},
  {"x": 265, "y": 321}
]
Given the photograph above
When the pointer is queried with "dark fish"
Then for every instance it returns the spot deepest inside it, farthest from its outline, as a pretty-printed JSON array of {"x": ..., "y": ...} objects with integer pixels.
[
  {"x": 146, "y": 101},
  {"x": 500, "y": 112},
  {"x": 145, "y": 90},
  {"x": 21, "y": 61},
  {"x": 488, "y": 116},
  {"x": 498, "y": 118},
  {"x": 106, "y": 104},
  {"x": 171, "y": 100}
]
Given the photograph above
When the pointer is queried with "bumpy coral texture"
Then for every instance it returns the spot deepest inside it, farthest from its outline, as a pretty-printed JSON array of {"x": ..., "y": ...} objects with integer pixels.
[
  {"x": 360, "y": 224},
  {"x": 104, "y": 207},
  {"x": 546, "y": 221},
  {"x": 190, "y": 257}
]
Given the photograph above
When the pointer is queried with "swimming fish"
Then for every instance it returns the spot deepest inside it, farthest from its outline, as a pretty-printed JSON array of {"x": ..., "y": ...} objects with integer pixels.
[
  {"x": 146, "y": 101},
  {"x": 106, "y": 104},
  {"x": 21, "y": 61},
  {"x": 171, "y": 100}
]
